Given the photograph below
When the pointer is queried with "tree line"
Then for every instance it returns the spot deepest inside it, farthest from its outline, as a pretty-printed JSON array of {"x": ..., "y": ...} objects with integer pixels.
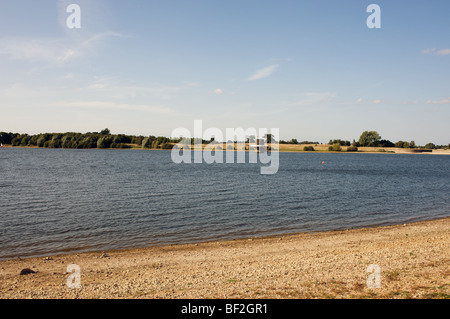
[
  {"x": 373, "y": 139},
  {"x": 102, "y": 140}
]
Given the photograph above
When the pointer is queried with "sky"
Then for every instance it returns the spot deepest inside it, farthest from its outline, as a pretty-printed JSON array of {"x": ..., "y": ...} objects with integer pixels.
[{"x": 312, "y": 69}]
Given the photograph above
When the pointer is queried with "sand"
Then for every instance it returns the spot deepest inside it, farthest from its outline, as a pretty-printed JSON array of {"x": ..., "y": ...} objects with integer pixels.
[{"x": 413, "y": 260}]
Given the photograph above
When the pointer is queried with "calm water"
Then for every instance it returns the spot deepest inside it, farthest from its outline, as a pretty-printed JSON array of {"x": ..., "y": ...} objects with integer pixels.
[{"x": 56, "y": 201}]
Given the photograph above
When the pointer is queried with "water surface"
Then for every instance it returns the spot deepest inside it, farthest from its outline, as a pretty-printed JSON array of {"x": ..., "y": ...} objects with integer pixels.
[{"x": 55, "y": 201}]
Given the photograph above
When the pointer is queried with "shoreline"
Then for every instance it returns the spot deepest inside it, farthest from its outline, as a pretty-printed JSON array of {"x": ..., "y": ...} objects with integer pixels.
[
  {"x": 385, "y": 151},
  {"x": 331, "y": 264},
  {"x": 78, "y": 251}
]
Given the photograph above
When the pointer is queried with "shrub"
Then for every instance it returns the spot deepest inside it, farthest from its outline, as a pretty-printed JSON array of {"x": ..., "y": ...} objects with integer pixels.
[
  {"x": 352, "y": 149},
  {"x": 308, "y": 149},
  {"x": 335, "y": 148}
]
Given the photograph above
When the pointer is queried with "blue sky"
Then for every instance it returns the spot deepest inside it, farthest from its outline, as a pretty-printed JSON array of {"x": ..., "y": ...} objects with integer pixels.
[{"x": 313, "y": 69}]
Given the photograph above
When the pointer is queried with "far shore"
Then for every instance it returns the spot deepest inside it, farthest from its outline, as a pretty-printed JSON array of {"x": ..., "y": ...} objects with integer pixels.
[
  {"x": 412, "y": 260},
  {"x": 298, "y": 148}
]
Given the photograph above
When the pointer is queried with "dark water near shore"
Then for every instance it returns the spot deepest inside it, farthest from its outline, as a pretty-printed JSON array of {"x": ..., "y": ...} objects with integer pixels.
[{"x": 57, "y": 201}]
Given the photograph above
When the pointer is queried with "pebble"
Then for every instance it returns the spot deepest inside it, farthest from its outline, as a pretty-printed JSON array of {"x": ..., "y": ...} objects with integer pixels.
[{"x": 26, "y": 271}]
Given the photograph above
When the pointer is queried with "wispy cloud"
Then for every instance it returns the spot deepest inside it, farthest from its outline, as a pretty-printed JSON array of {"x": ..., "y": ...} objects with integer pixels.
[
  {"x": 263, "y": 73},
  {"x": 218, "y": 91},
  {"x": 115, "y": 90},
  {"x": 316, "y": 97},
  {"x": 156, "y": 109},
  {"x": 51, "y": 50},
  {"x": 311, "y": 98},
  {"x": 376, "y": 101},
  {"x": 444, "y": 101},
  {"x": 436, "y": 52}
]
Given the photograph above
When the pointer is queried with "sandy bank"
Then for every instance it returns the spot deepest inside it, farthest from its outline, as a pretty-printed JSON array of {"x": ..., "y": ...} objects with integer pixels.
[{"x": 413, "y": 260}]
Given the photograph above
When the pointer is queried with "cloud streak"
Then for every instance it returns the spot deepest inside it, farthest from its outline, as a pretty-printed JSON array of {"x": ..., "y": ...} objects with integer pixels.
[
  {"x": 56, "y": 51},
  {"x": 444, "y": 101},
  {"x": 263, "y": 73},
  {"x": 436, "y": 52},
  {"x": 156, "y": 109}
]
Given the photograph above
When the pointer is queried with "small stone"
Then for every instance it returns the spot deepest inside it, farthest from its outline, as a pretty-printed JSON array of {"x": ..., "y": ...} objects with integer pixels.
[
  {"x": 26, "y": 271},
  {"x": 104, "y": 255},
  {"x": 48, "y": 258}
]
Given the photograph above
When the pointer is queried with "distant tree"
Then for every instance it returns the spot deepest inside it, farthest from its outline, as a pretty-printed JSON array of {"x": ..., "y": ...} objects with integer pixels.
[
  {"x": 412, "y": 144},
  {"x": 155, "y": 144},
  {"x": 41, "y": 141},
  {"x": 340, "y": 142},
  {"x": 66, "y": 141},
  {"x": 369, "y": 138},
  {"x": 335, "y": 148},
  {"x": 16, "y": 141},
  {"x": 166, "y": 146},
  {"x": 104, "y": 142},
  {"x": 384, "y": 143},
  {"x": 146, "y": 143},
  {"x": 6, "y": 138},
  {"x": 121, "y": 138},
  {"x": 430, "y": 146},
  {"x": 352, "y": 149},
  {"x": 402, "y": 144},
  {"x": 106, "y": 131},
  {"x": 308, "y": 149},
  {"x": 25, "y": 140}
]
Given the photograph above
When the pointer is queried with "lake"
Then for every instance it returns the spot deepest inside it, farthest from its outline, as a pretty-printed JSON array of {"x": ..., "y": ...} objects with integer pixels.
[{"x": 56, "y": 201}]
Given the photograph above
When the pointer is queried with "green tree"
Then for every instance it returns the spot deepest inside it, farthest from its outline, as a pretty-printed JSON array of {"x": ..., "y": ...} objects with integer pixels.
[
  {"x": 104, "y": 142},
  {"x": 402, "y": 144},
  {"x": 369, "y": 138},
  {"x": 335, "y": 148},
  {"x": 106, "y": 131},
  {"x": 41, "y": 141},
  {"x": 155, "y": 144},
  {"x": 6, "y": 138},
  {"x": 25, "y": 140},
  {"x": 146, "y": 143},
  {"x": 430, "y": 146}
]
